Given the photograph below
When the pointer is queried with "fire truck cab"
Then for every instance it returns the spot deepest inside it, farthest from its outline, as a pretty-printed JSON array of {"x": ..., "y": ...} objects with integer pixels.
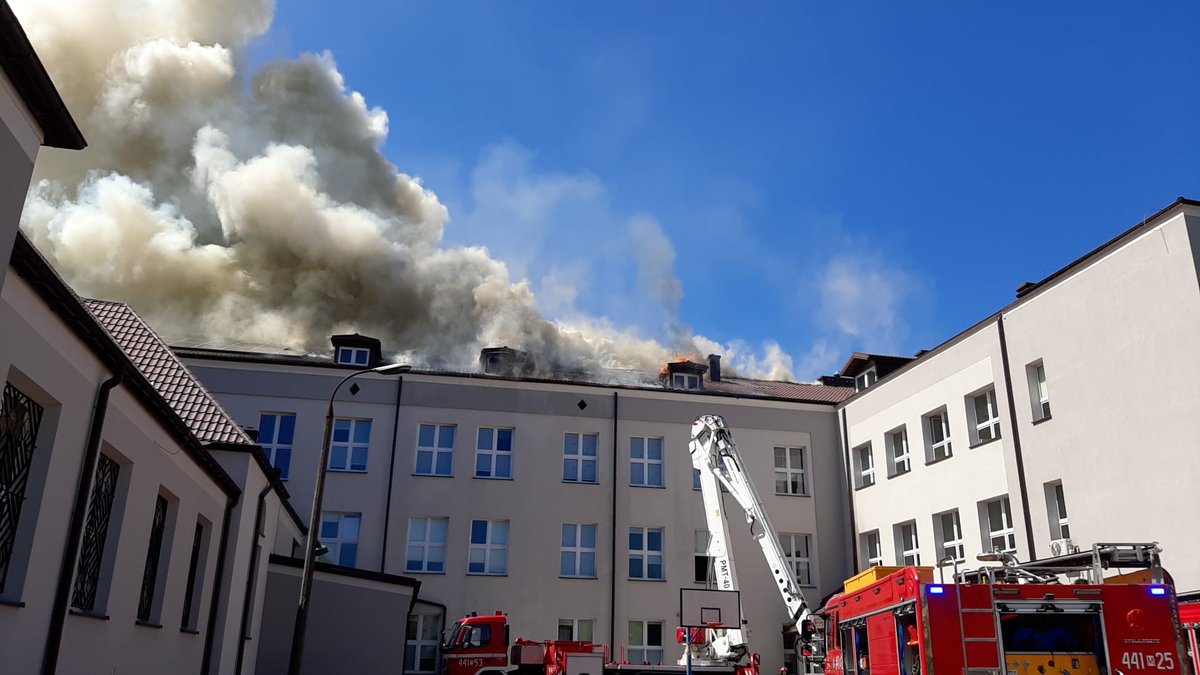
[{"x": 1051, "y": 617}]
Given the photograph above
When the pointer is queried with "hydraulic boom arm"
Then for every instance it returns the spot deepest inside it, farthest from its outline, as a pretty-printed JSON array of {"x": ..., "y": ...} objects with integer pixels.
[{"x": 716, "y": 456}]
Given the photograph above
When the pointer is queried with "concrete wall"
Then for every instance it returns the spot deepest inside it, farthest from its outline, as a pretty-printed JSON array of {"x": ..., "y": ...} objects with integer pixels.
[
  {"x": 356, "y": 625},
  {"x": 44, "y": 360},
  {"x": 537, "y": 502},
  {"x": 1119, "y": 338}
]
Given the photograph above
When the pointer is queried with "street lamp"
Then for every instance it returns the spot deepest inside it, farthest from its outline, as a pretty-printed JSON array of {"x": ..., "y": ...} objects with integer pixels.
[{"x": 310, "y": 539}]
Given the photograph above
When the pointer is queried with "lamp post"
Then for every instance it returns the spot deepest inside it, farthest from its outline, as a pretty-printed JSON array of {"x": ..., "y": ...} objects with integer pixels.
[{"x": 310, "y": 539}]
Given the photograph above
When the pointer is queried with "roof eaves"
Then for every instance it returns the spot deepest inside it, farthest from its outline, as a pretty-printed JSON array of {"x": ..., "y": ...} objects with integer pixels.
[{"x": 29, "y": 77}]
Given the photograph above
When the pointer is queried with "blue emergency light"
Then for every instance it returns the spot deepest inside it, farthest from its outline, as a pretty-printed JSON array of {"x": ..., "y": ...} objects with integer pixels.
[
  {"x": 1157, "y": 590},
  {"x": 937, "y": 590}
]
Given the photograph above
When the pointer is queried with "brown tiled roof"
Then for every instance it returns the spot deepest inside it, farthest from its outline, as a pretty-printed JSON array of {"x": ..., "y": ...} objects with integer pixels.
[{"x": 206, "y": 419}]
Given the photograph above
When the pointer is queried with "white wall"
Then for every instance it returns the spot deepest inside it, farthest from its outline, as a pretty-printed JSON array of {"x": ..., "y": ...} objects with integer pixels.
[{"x": 20, "y": 138}]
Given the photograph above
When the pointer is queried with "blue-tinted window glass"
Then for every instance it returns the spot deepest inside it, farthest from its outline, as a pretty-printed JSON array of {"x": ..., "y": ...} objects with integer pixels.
[
  {"x": 566, "y": 565},
  {"x": 437, "y": 559},
  {"x": 479, "y": 531},
  {"x": 329, "y": 528},
  {"x": 266, "y": 429},
  {"x": 415, "y": 559},
  {"x": 637, "y": 474},
  {"x": 654, "y": 539},
  {"x": 341, "y": 431},
  {"x": 589, "y": 445},
  {"x": 358, "y": 459},
  {"x": 416, "y": 531},
  {"x": 635, "y": 539},
  {"x": 589, "y": 471},
  {"x": 348, "y": 555},
  {"x": 337, "y": 457},
  {"x": 587, "y": 564},
  {"x": 425, "y": 436},
  {"x": 362, "y": 431},
  {"x": 446, "y": 437},
  {"x": 654, "y": 476},
  {"x": 283, "y": 462},
  {"x": 360, "y": 357},
  {"x": 485, "y": 439},
  {"x": 654, "y": 448},
  {"x": 483, "y": 465},
  {"x": 570, "y": 469},
  {"x": 637, "y": 448},
  {"x": 444, "y": 461},
  {"x": 570, "y": 444},
  {"x": 287, "y": 429},
  {"x": 424, "y": 462},
  {"x": 695, "y": 479},
  {"x": 504, "y": 440},
  {"x": 588, "y": 537},
  {"x": 437, "y": 530},
  {"x": 504, "y": 466},
  {"x": 568, "y": 535},
  {"x": 654, "y": 568},
  {"x": 350, "y": 527},
  {"x": 500, "y": 533},
  {"x": 635, "y": 568}
]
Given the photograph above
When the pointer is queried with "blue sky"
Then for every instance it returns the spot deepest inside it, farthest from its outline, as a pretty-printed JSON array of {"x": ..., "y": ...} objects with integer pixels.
[{"x": 833, "y": 177}]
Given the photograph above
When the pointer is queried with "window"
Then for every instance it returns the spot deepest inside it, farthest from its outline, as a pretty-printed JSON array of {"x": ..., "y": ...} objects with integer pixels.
[
  {"x": 998, "y": 518},
  {"x": 276, "y": 432},
  {"x": 1039, "y": 395},
  {"x": 950, "y": 540},
  {"x": 864, "y": 379},
  {"x": 423, "y": 641},
  {"x": 981, "y": 409},
  {"x": 195, "y": 578},
  {"x": 435, "y": 450},
  {"x": 489, "y": 547},
  {"x": 685, "y": 381},
  {"x": 339, "y": 534},
  {"x": 493, "y": 453},
  {"x": 1056, "y": 506},
  {"x": 578, "y": 551},
  {"x": 646, "y": 553},
  {"x": 790, "y": 477},
  {"x": 864, "y": 465},
  {"x": 797, "y": 549},
  {"x": 645, "y": 461},
  {"x": 645, "y": 642},
  {"x": 579, "y": 630},
  {"x": 426, "y": 545},
  {"x": 579, "y": 458},
  {"x": 351, "y": 438},
  {"x": 937, "y": 436},
  {"x": 20, "y": 419},
  {"x": 93, "y": 554},
  {"x": 353, "y": 356},
  {"x": 703, "y": 561},
  {"x": 897, "y": 451},
  {"x": 872, "y": 549},
  {"x": 908, "y": 551},
  {"x": 155, "y": 570},
  {"x": 695, "y": 479}
]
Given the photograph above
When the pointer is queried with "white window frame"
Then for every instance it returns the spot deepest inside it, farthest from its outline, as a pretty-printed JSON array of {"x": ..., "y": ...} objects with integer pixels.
[
  {"x": 427, "y": 544},
  {"x": 1060, "y": 524},
  {"x": 650, "y": 653},
  {"x": 1039, "y": 393},
  {"x": 493, "y": 453},
  {"x": 685, "y": 381},
  {"x": 645, "y": 461},
  {"x": 580, "y": 458},
  {"x": 578, "y": 550},
  {"x": 789, "y": 472},
  {"x": 271, "y": 446},
  {"x": 489, "y": 548},
  {"x": 864, "y": 458},
  {"x": 937, "y": 422},
  {"x": 990, "y": 426},
  {"x": 872, "y": 543},
  {"x": 348, "y": 356},
  {"x": 424, "y": 621},
  {"x": 950, "y": 547},
  {"x": 802, "y": 565},
  {"x": 435, "y": 451},
  {"x": 577, "y": 632},
  {"x": 335, "y": 544},
  {"x": 351, "y": 445},
  {"x": 865, "y": 379},
  {"x": 646, "y": 554},
  {"x": 1003, "y": 530},
  {"x": 899, "y": 459},
  {"x": 908, "y": 549}
]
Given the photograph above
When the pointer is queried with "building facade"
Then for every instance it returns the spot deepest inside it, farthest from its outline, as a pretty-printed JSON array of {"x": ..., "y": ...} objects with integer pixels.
[
  {"x": 1065, "y": 419},
  {"x": 567, "y": 503}
]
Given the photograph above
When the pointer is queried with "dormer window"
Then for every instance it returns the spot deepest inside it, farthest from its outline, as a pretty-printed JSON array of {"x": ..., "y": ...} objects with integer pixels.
[
  {"x": 864, "y": 379},
  {"x": 353, "y": 356},
  {"x": 685, "y": 381}
]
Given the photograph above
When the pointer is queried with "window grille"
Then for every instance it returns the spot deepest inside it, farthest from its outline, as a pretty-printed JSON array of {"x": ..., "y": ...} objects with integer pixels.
[
  {"x": 193, "y": 567},
  {"x": 153, "y": 553},
  {"x": 20, "y": 419},
  {"x": 91, "y": 556}
]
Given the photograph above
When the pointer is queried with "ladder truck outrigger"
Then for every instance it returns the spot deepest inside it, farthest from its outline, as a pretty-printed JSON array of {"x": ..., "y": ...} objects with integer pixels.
[{"x": 715, "y": 456}]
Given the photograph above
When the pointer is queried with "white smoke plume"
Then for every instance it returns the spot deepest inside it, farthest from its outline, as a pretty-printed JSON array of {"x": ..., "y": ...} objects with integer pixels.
[{"x": 259, "y": 207}]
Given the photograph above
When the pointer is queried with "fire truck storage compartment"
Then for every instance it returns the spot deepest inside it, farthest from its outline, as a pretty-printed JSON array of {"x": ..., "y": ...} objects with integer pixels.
[
  {"x": 584, "y": 664},
  {"x": 1057, "y": 636}
]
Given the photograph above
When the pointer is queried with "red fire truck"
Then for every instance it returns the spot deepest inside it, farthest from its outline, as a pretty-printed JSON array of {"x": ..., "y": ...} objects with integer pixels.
[
  {"x": 1189, "y": 617},
  {"x": 480, "y": 645},
  {"x": 1057, "y": 616}
]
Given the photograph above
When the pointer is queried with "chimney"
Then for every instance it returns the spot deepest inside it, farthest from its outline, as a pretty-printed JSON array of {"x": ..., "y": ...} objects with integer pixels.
[{"x": 714, "y": 368}]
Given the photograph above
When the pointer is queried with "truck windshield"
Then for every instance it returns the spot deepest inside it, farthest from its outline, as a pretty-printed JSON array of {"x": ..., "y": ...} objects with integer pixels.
[{"x": 450, "y": 636}]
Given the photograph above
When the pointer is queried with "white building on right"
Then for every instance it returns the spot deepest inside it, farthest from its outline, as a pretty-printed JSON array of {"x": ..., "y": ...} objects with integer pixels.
[{"x": 1071, "y": 414}]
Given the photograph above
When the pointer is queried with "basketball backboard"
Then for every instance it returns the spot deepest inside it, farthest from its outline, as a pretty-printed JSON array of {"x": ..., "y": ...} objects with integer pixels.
[{"x": 702, "y": 608}]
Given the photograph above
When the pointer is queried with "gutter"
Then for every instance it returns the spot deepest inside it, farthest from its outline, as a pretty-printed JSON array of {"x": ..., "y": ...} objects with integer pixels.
[
  {"x": 387, "y": 508},
  {"x": 612, "y": 585},
  {"x": 849, "y": 491},
  {"x": 1016, "y": 438},
  {"x": 248, "y": 599},
  {"x": 83, "y": 487},
  {"x": 214, "y": 603}
]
